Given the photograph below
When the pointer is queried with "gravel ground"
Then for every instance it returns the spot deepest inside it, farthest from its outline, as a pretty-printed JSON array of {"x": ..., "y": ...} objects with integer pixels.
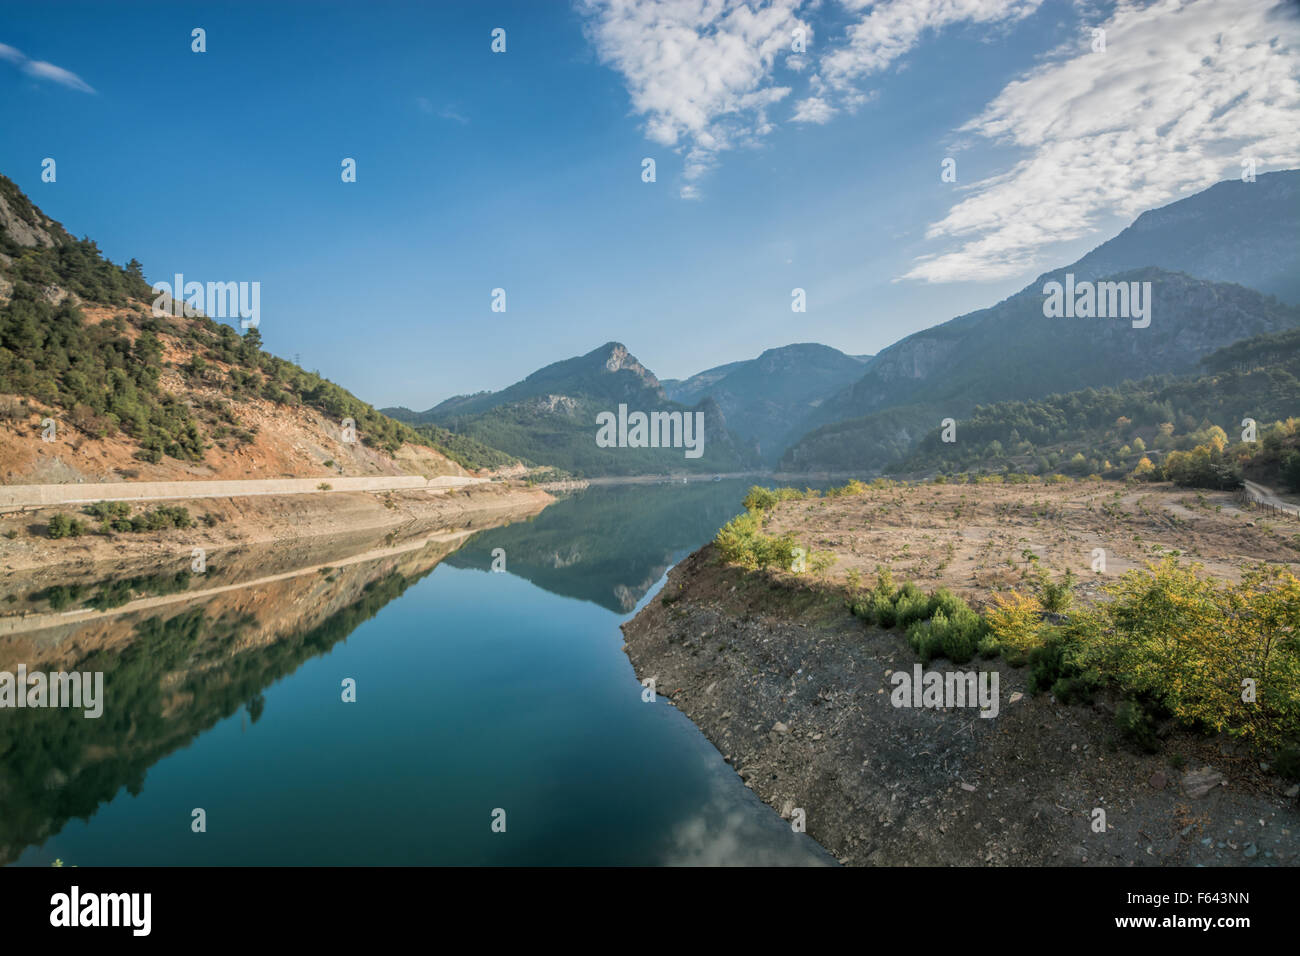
[{"x": 796, "y": 694}]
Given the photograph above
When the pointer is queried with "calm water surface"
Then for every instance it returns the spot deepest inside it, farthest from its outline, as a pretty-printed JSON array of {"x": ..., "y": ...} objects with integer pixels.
[{"x": 475, "y": 690}]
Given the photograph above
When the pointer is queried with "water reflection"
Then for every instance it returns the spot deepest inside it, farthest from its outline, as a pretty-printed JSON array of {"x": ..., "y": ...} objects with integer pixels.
[
  {"x": 609, "y": 544},
  {"x": 171, "y": 676},
  {"x": 476, "y": 690}
]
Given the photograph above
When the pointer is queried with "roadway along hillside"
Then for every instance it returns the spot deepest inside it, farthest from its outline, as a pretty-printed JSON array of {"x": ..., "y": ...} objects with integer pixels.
[{"x": 14, "y": 497}]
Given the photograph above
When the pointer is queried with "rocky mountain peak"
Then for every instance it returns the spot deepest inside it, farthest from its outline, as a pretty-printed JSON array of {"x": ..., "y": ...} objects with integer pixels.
[{"x": 618, "y": 358}]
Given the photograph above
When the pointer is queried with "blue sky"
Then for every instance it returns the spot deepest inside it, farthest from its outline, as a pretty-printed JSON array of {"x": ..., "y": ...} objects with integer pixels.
[{"x": 522, "y": 170}]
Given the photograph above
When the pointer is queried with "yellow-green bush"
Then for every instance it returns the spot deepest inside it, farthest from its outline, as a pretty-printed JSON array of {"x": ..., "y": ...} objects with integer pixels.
[
  {"x": 1194, "y": 644},
  {"x": 743, "y": 541},
  {"x": 1015, "y": 621}
]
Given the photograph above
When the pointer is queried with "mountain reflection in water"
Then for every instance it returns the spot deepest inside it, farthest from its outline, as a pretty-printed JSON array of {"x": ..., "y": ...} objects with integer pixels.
[{"x": 475, "y": 691}]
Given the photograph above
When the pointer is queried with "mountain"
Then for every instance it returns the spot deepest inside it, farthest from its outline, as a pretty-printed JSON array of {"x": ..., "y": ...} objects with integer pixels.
[
  {"x": 769, "y": 399},
  {"x": 1109, "y": 431},
  {"x": 609, "y": 373},
  {"x": 1013, "y": 351},
  {"x": 552, "y": 418},
  {"x": 132, "y": 394},
  {"x": 1247, "y": 233},
  {"x": 697, "y": 386}
]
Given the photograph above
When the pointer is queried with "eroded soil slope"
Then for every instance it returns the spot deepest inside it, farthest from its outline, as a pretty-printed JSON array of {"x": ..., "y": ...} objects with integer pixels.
[{"x": 795, "y": 691}]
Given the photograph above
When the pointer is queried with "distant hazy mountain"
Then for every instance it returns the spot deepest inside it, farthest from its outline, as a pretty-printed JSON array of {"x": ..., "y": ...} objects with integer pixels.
[
  {"x": 1247, "y": 233},
  {"x": 1243, "y": 233},
  {"x": 1012, "y": 351},
  {"x": 550, "y": 418},
  {"x": 768, "y": 399}
]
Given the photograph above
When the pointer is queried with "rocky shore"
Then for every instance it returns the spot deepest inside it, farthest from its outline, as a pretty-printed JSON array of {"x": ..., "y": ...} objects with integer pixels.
[{"x": 796, "y": 694}]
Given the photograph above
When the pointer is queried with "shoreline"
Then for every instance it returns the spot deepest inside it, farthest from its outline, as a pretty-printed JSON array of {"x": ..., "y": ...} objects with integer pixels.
[
  {"x": 294, "y": 529},
  {"x": 24, "y": 498},
  {"x": 795, "y": 693}
]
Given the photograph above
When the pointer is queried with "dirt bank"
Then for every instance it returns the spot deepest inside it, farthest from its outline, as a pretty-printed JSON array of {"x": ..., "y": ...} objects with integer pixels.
[
  {"x": 796, "y": 693},
  {"x": 302, "y": 529}
]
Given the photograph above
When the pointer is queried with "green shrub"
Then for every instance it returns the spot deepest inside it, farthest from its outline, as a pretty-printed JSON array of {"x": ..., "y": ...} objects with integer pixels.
[
  {"x": 954, "y": 631},
  {"x": 1055, "y": 668},
  {"x": 909, "y": 589},
  {"x": 65, "y": 526},
  {"x": 884, "y": 581},
  {"x": 742, "y": 541},
  {"x": 1172, "y": 638},
  {"x": 924, "y": 636},
  {"x": 883, "y": 612},
  {"x": 1136, "y": 726},
  {"x": 162, "y": 518},
  {"x": 910, "y": 608},
  {"x": 109, "y": 511},
  {"x": 1057, "y": 598},
  {"x": 944, "y": 600},
  {"x": 60, "y": 596}
]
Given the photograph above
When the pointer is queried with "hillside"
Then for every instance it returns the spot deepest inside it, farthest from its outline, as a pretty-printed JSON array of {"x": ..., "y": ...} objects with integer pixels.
[
  {"x": 768, "y": 399},
  {"x": 1192, "y": 252},
  {"x": 551, "y": 418},
  {"x": 1110, "y": 431},
  {"x": 945, "y": 372},
  {"x": 1248, "y": 233},
  {"x": 136, "y": 396}
]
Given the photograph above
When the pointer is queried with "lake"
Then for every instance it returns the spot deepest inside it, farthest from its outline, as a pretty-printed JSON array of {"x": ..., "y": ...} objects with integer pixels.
[{"x": 475, "y": 691}]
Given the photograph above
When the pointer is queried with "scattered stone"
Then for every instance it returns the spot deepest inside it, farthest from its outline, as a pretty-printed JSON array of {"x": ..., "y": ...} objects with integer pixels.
[
  {"x": 1015, "y": 698},
  {"x": 1157, "y": 780},
  {"x": 780, "y": 728},
  {"x": 969, "y": 787},
  {"x": 1198, "y": 783}
]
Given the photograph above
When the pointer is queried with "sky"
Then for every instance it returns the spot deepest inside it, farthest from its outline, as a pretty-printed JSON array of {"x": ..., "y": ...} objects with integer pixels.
[{"x": 797, "y": 144}]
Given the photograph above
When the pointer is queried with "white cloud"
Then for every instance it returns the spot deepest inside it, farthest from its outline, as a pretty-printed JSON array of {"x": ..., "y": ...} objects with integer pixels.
[
  {"x": 1185, "y": 90},
  {"x": 894, "y": 27},
  {"x": 699, "y": 71},
  {"x": 813, "y": 110},
  {"x": 42, "y": 70}
]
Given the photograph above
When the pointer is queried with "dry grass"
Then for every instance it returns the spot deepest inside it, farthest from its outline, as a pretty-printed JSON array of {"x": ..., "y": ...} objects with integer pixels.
[{"x": 980, "y": 539}]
